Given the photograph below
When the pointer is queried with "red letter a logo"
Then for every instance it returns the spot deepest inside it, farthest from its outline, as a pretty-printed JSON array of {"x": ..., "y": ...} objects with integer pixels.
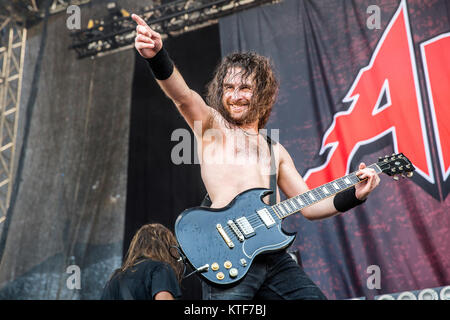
[
  {"x": 436, "y": 61},
  {"x": 391, "y": 73}
]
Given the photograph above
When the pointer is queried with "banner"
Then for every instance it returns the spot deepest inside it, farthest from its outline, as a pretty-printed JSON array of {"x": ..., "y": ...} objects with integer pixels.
[{"x": 359, "y": 80}]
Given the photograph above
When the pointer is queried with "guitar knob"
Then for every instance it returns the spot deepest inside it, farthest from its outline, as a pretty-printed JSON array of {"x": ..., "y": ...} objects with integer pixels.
[
  {"x": 409, "y": 174},
  {"x": 215, "y": 266},
  {"x": 220, "y": 276},
  {"x": 234, "y": 272},
  {"x": 396, "y": 178},
  {"x": 227, "y": 264}
]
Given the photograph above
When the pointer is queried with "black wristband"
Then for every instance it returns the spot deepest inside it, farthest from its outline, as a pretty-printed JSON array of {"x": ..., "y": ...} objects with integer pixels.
[
  {"x": 346, "y": 200},
  {"x": 161, "y": 65}
]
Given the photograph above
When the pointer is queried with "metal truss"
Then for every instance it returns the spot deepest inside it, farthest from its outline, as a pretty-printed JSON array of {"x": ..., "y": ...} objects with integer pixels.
[
  {"x": 56, "y": 6},
  {"x": 31, "y": 12},
  {"x": 12, "y": 52},
  {"x": 15, "y": 16},
  {"x": 116, "y": 32}
]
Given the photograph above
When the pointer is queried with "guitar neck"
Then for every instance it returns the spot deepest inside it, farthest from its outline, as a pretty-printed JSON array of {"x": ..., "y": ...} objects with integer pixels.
[{"x": 295, "y": 204}]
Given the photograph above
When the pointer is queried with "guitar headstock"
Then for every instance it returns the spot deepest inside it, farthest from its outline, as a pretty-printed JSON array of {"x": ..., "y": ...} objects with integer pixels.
[{"x": 396, "y": 164}]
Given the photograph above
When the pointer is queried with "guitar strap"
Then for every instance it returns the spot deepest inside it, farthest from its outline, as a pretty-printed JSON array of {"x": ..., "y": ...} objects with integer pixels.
[
  {"x": 273, "y": 173},
  {"x": 273, "y": 177}
]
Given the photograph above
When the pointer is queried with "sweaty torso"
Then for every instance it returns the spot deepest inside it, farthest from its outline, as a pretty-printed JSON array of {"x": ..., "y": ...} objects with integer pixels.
[{"x": 232, "y": 162}]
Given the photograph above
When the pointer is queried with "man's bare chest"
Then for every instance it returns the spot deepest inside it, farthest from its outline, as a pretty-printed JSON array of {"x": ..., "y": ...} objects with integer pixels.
[{"x": 234, "y": 148}]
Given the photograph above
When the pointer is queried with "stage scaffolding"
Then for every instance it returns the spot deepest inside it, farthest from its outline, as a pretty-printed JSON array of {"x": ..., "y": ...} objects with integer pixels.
[
  {"x": 12, "y": 52},
  {"x": 116, "y": 31},
  {"x": 14, "y": 18}
]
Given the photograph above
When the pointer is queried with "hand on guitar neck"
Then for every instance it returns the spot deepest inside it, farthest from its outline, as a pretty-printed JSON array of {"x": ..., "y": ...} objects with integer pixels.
[{"x": 370, "y": 181}]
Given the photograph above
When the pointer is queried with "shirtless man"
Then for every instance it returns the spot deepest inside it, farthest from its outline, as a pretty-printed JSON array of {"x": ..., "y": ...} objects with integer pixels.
[{"x": 240, "y": 98}]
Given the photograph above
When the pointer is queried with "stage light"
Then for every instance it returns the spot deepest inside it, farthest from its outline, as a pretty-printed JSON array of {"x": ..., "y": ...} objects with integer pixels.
[
  {"x": 438, "y": 293},
  {"x": 386, "y": 297},
  {"x": 125, "y": 13},
  {"x": 172, "y": 18},
  {"x": 407, "y": 295},
  {"x": 445, "y": 293},
  {"x": 428, "y": 294}
]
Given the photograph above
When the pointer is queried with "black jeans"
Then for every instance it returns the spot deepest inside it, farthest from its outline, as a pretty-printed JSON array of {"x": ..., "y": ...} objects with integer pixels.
[{"x": 273, "y": 276}]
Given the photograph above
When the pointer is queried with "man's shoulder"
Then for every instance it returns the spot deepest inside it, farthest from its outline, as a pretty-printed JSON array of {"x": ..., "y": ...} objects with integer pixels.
[
  {"x": 280, "y": 152},
  {"x": 217, "y": 120},
  {"x": 150, "y": 263}
]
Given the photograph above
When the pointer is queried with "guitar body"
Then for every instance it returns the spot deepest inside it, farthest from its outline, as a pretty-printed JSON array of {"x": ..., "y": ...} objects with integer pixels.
[
  {"x": 221, "y": 244},
  {"x": 204, "y": 243}
]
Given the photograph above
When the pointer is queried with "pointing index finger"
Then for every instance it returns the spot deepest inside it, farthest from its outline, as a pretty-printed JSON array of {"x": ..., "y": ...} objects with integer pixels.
[{"x": 139, "y": 20}]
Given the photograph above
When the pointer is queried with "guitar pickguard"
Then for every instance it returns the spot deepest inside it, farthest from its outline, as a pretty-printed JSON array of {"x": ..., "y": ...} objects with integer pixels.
[{"x": 252, "y": 247}]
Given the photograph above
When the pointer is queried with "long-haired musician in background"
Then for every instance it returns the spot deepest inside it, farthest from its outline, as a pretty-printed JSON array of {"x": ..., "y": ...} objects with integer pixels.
[{"x": 150, "y": 271}]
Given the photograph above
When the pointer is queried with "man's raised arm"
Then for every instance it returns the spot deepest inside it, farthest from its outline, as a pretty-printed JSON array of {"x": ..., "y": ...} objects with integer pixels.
[{"x": 149, "y": 45}]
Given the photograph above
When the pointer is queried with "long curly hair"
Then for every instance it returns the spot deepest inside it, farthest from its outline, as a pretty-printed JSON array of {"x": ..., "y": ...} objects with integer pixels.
[
  {"x": 265, "y": 86},
  {"x": 153, "y": 241}
]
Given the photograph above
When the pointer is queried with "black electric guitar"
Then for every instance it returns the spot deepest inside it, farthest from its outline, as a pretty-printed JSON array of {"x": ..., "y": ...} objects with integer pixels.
[{"x": 221, "y": 243}]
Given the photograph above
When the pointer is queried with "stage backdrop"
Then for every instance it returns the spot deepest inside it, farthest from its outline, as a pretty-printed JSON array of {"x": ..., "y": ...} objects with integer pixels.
[{"x": 354, "y": 88}]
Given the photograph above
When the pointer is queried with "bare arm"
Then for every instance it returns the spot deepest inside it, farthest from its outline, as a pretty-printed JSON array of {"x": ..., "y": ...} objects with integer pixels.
[
  {"x": 164, "y": 295},
  {"x": 292, "y": 184},
  {"x": 190, "y": 104}
]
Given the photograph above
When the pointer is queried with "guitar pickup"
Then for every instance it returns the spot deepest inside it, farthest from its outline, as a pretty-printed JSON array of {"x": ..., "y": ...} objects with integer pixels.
[
  {"x": 265, "y": 216},
  {"x": 245, "y": 227}
]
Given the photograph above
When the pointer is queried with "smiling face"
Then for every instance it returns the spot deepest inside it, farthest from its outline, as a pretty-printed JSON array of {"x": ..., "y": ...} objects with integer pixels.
[
  {"x": 237, "y": 94},
  {"x": 243, "y": 89}
]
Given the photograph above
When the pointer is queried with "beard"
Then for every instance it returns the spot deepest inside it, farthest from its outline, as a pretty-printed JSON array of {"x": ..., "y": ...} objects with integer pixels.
[{"x": 247, "y": 116}]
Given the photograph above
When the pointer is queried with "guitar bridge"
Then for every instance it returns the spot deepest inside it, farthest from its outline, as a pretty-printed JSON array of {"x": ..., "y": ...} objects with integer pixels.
[
  {"x": 225, "y": 236},
  {"x": 236, "y": 230}
]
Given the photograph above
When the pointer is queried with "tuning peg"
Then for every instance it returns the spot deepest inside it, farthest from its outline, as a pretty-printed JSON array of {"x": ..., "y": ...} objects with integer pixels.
[
  {"x": 396, "y": 178},
  {"x": 409, "y": 174}
]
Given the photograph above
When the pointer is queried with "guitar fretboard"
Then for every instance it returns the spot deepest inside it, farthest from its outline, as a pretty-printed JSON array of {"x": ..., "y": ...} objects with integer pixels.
[{"x": 295, "y": 204}]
